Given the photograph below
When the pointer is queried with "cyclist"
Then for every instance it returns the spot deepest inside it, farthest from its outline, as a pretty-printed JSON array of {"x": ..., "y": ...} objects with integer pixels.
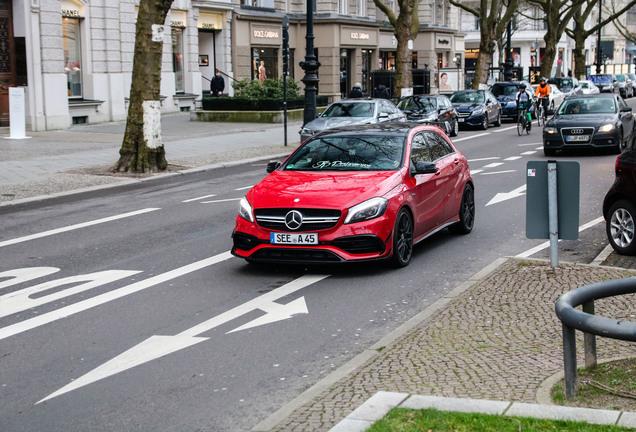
[
  {"x": 524, "y": 101},
  {"x": 543, "y": 94}
]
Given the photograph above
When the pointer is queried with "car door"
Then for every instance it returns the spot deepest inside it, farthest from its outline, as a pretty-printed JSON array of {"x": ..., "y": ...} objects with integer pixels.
[
  {"x": 492, "y": 106},
  {"x": 425, "y": 194},
  {"x": 626, "y": 118}
]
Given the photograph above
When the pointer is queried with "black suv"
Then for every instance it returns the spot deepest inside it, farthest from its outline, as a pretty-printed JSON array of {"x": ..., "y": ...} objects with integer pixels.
[
  {"x": 619, "y": 205},
  {"x": 505, "y": 93}
]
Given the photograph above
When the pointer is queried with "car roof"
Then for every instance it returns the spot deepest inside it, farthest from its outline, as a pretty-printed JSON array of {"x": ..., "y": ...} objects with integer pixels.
[
  {"x": 593, "y": 96},
  {"x": 399, "y": 129}
]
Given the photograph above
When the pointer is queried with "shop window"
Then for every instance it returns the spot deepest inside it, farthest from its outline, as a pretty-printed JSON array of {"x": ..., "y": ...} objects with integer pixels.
[
  {"x": 367, "y": 55},
  {"x": 264, "y": 64},
  {"x": 387, "y": 60},
  {"x": 72, "y": 56},
  {"x": 177, "y": 59}
]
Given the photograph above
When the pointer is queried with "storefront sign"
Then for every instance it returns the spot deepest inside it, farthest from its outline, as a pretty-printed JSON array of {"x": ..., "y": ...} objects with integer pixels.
[
  {"x": 210, "y": 21},
  {"x": 178, "y": 19},
  {"x": 357, "y": 36},
  {"x": 265, "y": 35},
  {"x": 443, "y": 42},
  {"x": 71, "y": 9}
]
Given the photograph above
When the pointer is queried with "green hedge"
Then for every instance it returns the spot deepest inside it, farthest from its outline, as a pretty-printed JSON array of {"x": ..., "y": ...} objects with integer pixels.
[{"x": 266, "y": 104}]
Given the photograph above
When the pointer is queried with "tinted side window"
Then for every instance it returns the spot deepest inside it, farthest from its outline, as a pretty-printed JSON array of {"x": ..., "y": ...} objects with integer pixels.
[
  {"x": 420, "y": 151},
  {"x": 438, "y": 146}
]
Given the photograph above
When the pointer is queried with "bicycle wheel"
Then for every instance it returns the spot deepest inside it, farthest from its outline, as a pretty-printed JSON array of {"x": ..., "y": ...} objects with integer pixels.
[
  {"x": 521, "y": 125},
  {"x": 540, "y": 116}
]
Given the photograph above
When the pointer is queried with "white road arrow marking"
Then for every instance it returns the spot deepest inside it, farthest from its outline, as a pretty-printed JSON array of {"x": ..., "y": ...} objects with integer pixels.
[
  {"x": 507, "y": 195},
  {"x": 159, "y": 346}
]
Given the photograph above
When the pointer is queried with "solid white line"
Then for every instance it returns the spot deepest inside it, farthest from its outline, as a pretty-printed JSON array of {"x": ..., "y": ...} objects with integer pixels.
[
  {"x": 198, "y": 198},
  {"x": 243, "y": 188},
  {"x": 74, "y": 227},
  {"x": 498, "y": 172},
  {"x": 218, "y": 201},
  {"x": 483, "y": 159},
  {"x": 109, "y": 296},
  {"x": 505, "y": 129},
  {"x": 471, "y": 137},
  {"x": 544, "y": 245}
]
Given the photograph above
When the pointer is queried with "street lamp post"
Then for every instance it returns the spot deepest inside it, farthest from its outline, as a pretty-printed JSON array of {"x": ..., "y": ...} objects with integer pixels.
[
  {"x": 508, "y": 59},
  {"x": 310, "y": 66},
  {"x": 599, "y": 53}
]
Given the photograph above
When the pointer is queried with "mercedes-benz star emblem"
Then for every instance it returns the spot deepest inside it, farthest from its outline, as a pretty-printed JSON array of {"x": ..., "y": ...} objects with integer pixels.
[{"x": 293, "y": 220}]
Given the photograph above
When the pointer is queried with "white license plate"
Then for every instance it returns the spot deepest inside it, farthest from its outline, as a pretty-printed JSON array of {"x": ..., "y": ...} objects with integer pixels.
[
  {"x": 294, "y": 238},
  {"x": 572, "y": 138},
  {"x": 461, "y": 120}
]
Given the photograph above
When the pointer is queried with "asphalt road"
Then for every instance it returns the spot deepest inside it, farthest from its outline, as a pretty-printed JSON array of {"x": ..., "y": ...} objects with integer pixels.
[{"x": 131, "y": 314}]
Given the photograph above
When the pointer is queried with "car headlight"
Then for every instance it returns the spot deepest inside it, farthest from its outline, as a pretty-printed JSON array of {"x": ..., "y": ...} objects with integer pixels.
[
  {"x": 550, "y": 130},
  {"x": 479, "y": 111},
  {"x": 367, "y": 210},
  {"x": 245, "y": 210},
  {"x": 607, "y": 128}
]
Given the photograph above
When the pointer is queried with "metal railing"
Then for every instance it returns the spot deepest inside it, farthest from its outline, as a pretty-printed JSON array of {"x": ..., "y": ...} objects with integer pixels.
[{"x": 592, "y": 325}]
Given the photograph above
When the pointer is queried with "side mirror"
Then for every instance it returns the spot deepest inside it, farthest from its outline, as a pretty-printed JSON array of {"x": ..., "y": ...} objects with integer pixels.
[
  {"x": 626, "y": 109},
  {"x": 383, "y": 116},
  {"x": 425, "y": 168},
  {"x": 272, "y": 166}
]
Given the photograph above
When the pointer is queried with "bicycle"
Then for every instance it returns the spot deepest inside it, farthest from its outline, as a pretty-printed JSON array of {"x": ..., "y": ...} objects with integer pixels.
[
  {"x": 522, "y": 121},
  {"x": 541, "y": 112}
]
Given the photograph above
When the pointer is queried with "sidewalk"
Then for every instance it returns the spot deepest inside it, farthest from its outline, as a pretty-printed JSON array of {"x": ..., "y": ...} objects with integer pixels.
[
  {"x": 495, "y": 337},
  {"x": 54, "y": 162}
]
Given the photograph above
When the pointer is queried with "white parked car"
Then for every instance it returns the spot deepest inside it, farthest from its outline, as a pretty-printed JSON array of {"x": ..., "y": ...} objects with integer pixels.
[
  {"x": 588, "y": 87},
  {"x": 555, "y": 99}
]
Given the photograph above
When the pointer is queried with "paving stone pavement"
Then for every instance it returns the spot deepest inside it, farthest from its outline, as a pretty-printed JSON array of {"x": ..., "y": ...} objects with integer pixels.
[{"x": 498, "y": 339}]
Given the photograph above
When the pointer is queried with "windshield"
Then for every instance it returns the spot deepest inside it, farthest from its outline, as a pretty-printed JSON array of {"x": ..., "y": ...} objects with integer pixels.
[
  {"x": 587, "y": 106},
  {"x": 417, "y": 104},
  {"x": 600, "y": 78},
  {"x": 566, "y": 84},
  {"x": 344, "y": 109},
  {"x": 361, "y": 153},
  {"x": 505, "y": 90},
  {"x": 467, "y": 97},
  {"x": 620, "y": 78}
]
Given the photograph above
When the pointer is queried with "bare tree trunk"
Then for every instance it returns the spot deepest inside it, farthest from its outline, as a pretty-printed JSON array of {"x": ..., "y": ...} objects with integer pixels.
[
  {"x": 142, "y": 149},
  {"x": 404, "y": 64},
  {"x": 484, "y": 61}
]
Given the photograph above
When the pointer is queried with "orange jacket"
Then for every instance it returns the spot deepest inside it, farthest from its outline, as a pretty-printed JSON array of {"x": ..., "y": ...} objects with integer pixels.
[{"x": 542, "y": 91}]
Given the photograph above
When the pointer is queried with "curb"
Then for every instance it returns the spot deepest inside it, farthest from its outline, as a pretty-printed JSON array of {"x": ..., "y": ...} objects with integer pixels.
[
  {"x": 124, "y": 181},
  {"x": 378, "y": 405}
]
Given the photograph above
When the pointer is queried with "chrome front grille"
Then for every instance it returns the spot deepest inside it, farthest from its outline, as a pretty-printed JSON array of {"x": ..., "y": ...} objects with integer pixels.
[{"x": 312, "y": 219}]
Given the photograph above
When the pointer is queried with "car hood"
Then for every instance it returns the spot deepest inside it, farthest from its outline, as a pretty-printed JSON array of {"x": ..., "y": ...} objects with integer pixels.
[
  {"x": 467, "y": 106},
  {"x": 582, "y": 120},
  {"x": 322, "y": 123},
  {"x": 336, "y": 190},
  {"x": 505, "y": 99}
]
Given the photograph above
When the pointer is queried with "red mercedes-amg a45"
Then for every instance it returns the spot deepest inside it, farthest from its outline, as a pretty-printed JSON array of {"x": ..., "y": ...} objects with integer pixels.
[{"x": 357, "y": 193}]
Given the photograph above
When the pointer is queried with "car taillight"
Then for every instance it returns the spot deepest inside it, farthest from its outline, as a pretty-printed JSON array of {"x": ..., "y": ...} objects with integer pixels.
[{"x": 616, "y": 164}]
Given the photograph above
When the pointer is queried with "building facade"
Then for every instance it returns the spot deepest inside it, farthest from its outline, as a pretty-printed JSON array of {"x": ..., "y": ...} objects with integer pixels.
[{"x": 74, "y": 57}]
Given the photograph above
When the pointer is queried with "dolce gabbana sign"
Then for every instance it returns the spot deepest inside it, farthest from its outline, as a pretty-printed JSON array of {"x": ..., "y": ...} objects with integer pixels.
[{"x": 265, "y": 35}]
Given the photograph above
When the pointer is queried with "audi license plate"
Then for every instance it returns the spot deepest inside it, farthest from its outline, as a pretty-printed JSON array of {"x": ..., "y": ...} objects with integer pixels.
[
  {"x": 577, "y": 138},
  {"x": 294, "y": 238}
]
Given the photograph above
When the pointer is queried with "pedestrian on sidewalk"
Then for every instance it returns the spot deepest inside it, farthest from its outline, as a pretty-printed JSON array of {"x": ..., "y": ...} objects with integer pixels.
[{"x": 217, "y": 84}]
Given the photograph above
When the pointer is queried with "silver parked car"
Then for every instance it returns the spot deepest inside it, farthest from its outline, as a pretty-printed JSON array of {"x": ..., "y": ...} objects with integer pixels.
[{"x": 353, "y": 112}]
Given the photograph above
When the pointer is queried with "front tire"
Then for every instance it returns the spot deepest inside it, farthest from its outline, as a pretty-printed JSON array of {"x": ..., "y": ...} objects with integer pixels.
[
  {"x": 466, "y": 212},
  {"x": 620, "y": 227},
  {"x": 548, "y": 152},
  {"x": 498, "y": 121},
  {"x": 484, "y": 124},
  {"x": 402, "y": 239},
  {"x": 455, "y": 129}
]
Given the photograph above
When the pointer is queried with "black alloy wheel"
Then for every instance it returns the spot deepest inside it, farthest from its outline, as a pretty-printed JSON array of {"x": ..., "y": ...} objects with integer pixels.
[
  {"x": 402, "y": 239},
  {"x": 466, "y": 213}
]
